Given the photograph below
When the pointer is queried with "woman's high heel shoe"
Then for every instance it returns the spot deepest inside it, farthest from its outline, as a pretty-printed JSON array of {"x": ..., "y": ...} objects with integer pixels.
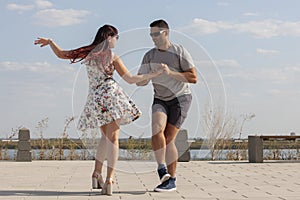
[
  {"x": 107, "y": 188},
  {"x": 97, "y": 180}
]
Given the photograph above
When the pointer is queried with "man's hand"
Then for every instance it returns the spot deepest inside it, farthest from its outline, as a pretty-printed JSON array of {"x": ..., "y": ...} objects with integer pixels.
[{"x": 165, "y": 68}]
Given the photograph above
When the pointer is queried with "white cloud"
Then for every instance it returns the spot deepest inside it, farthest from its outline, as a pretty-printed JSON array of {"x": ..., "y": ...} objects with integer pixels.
[
  {"x": 36, "y": 67},
  {"x": 19, "y": 7},
  {"x": 39, "y": 4},
  {"x": 203, "y": 26},
  {"x": 54, "y": 17},
  {"x": 227, "y": 63},
  {"x": 284, "y": 93},
  {"x": 51, "y": 17},
  {"x": 261, "y": 29},
  {"x": 267, "y": 51},
  {"x": 231, "y": 63},
  {"x": 43, "y": 4},
  {"x": 287, "y": 75},
  {"x": 251, "y": 14},
  {"x": 277, "y": 92},
  {"x": 247, "y": 95},
  {"x": 293, "y": 69},
  {"x": 222, "y": 3}
]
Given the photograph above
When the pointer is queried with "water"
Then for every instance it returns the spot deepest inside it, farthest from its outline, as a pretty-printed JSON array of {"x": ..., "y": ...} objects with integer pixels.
[
  {"x": 202, "y": 154},
  {"x": 271, "y": 154}
]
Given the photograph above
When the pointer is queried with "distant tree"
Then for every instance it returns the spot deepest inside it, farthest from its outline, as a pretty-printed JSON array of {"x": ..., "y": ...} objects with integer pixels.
[
  {"x": 219, "y": 128},
  {"x": 40, "y": 127},
  {"x": 246, "y": 117},
  {"x": 65, "y": 135}
]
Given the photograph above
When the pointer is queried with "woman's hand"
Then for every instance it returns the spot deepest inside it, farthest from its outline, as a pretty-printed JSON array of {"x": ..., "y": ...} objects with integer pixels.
[
  {"x": 42, "y": 42},
  {"x": 162, "y": 68},
  {"x": 156, "y": 73}
]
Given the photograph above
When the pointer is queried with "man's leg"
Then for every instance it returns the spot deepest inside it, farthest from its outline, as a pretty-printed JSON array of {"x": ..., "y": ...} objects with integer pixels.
[
  {"x": 159, "y": 120},
  {"x": 171, "y": 132},
  {"x": 159, "y": 142},
  {"x": 178, "y": 112},
  {"x": 171, "y": 160}
]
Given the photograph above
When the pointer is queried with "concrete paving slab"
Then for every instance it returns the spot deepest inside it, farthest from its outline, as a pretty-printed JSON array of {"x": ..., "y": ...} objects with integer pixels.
[{"x": 219, "y": 180}]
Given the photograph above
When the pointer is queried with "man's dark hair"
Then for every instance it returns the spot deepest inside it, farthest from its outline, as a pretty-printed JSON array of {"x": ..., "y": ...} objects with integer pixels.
[{"x": 160, "y": 24}]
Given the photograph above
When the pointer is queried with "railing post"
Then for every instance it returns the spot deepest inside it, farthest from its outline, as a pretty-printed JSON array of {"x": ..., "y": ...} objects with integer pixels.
[
  {"x": 255, "y": 149},
  {"x": 24, "y": 147}
]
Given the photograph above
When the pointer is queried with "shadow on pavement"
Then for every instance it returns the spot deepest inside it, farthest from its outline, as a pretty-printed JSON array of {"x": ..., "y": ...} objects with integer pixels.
[
  {"x": 247, "y": 162},
  {"x": 60, "y": 193}
]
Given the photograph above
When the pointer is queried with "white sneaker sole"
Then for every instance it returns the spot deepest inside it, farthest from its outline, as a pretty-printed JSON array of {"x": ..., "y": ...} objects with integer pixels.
[
  {"x": 164, "y": 190},
  {"x": 165, "y": 177}
]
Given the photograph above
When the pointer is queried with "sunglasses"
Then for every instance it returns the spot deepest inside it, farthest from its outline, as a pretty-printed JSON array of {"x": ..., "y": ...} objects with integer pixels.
[{"x": 156, "y": 34}]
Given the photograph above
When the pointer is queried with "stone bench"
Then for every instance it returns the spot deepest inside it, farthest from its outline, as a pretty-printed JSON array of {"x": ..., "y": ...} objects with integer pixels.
[{"x": 255, "y": 145}]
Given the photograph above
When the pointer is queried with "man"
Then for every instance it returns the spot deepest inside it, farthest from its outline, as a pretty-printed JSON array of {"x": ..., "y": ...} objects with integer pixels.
[{"x": 172, "y": 99}]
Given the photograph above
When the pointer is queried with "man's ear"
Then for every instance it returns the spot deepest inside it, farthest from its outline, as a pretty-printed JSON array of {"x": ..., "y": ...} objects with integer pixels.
[{"x": 166, "y": 32}]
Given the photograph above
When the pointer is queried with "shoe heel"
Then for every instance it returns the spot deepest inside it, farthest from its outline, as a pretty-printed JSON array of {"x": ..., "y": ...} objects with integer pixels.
[
  {"x": 165, "y": 178},
  {"x": 103, "y": 191},
  {"x": 95, "y": 183},
  {"x": 107, "y": 187}
]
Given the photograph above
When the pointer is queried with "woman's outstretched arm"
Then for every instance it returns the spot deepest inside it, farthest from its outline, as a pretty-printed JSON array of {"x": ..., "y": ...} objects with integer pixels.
[{"x": 55, "y": 48}]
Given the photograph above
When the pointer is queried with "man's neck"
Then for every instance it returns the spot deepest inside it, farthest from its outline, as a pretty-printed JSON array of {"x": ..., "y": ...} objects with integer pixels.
[{"x": 165, "y": 46}]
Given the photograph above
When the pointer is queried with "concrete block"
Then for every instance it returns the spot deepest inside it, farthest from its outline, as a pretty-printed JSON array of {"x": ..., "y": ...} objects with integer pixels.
[
  {"x": 182, "y": 135},
  {"x": 24, "y": 146},
  {"x": 184, "y": 156},
  {"x": 183, "y": 146},
  {"x": 24, "y": 156},
  {"x": 255, "y": 149},
  {"x": 24, "y": 134}
]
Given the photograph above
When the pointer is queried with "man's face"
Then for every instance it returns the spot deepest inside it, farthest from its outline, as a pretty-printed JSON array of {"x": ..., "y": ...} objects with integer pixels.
[{"x": 159, "y": 36}]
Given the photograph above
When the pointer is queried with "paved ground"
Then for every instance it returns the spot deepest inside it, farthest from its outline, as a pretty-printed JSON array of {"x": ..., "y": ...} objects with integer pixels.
[{"x": 136, "y": 180}]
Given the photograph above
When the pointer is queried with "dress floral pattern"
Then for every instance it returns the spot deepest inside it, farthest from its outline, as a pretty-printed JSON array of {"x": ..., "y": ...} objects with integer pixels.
[{"x": 106, "y": 101}]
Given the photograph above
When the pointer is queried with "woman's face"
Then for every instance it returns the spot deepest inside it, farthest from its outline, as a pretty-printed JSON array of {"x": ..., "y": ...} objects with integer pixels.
[{"x": 112, "y": 40}]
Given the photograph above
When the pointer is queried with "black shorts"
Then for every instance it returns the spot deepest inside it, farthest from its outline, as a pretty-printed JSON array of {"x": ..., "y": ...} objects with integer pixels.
[{"x": 175, "y": 109}]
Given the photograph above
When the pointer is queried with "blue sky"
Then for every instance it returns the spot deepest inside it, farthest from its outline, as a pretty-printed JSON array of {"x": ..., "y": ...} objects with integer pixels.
[{"x": 246, "y": 54}]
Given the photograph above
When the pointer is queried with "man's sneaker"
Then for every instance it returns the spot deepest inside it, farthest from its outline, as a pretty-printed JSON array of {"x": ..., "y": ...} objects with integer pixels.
[
  {"x": 167, "y": 186},
  {"x": 163, "y": 174}
]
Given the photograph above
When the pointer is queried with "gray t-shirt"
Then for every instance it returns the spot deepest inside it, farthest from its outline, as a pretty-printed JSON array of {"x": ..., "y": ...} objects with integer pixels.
[{"x": 178, "y": 59}]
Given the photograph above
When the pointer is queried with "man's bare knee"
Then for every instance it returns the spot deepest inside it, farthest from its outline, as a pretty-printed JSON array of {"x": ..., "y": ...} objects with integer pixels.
[{"x": 158, "y": 122}]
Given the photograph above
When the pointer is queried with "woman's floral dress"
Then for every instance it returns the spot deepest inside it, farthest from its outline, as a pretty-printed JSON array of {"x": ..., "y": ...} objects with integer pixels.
[{"x": 106, "y": 101}]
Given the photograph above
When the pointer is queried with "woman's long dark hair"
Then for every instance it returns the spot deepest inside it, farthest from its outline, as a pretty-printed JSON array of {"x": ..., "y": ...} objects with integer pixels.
[{"x": 100, "y": 44}]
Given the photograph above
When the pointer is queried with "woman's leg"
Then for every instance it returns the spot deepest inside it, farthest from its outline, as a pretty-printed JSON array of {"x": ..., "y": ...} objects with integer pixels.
[
  {"x": 101, "y": 153},
  {"x": 97, "y": 180},
  {"x": 111, "y": 132}
]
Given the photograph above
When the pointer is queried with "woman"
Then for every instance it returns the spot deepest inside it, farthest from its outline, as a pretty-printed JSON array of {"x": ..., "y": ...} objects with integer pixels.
[{"x": 107, "y": 105}]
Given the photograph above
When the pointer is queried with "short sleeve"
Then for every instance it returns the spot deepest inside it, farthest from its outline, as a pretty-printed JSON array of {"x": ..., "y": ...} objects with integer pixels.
[
  {"x": 145, "y": 66},
  {"x": 186, "y": 61}
]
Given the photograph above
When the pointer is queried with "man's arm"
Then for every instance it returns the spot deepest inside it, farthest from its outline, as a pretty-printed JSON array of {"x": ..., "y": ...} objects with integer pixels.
[{"x": 188, "y": 76}]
